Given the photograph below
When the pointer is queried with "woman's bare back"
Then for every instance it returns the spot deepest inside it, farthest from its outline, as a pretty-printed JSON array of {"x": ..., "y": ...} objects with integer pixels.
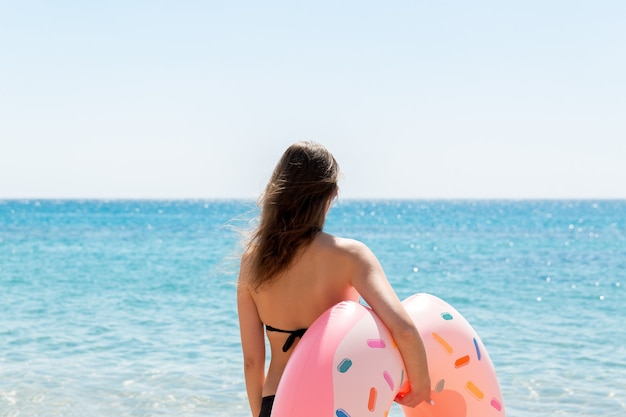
[{"x": 317, "y": 279}]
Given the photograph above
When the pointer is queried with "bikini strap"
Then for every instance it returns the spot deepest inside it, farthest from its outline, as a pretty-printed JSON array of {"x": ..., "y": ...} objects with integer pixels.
[{"x": 292, "y": 335}]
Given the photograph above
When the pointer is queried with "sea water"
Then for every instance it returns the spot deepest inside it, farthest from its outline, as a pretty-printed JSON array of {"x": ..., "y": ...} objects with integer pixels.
[{"x": 127, "y": 308}]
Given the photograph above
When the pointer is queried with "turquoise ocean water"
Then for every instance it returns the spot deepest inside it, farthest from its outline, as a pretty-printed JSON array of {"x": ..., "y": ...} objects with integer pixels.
[{"x": 127, "y": 308}]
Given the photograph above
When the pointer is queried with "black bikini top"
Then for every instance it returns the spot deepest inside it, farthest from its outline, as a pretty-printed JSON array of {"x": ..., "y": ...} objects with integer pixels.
[{"x": 292, "y": 335}]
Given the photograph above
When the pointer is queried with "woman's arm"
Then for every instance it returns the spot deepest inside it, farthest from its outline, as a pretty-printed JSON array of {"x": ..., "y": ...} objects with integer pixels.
[
  {"x": 252, "y": 343},
  {"x": 371, "y": 282}
]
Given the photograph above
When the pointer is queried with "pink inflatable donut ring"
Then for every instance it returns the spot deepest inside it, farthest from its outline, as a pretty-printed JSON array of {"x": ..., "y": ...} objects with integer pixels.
[{"x": 347, "y": 365}]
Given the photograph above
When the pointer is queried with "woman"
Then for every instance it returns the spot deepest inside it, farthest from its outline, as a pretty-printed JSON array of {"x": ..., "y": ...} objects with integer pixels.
[{"x": 292, "y": 272}]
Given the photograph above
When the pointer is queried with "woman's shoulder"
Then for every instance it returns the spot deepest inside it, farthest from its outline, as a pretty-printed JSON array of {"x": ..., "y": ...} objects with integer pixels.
[
  {"x": 342, "y": 245},
  {"x": 245, "y": 266}
]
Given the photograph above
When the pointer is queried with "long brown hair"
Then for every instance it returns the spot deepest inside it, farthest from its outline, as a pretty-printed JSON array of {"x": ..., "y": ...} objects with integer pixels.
[{"x": 293, "y": 208}]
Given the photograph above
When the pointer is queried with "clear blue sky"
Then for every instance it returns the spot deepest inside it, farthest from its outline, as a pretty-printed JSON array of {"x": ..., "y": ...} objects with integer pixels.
[{"x": 416, "y": 99}]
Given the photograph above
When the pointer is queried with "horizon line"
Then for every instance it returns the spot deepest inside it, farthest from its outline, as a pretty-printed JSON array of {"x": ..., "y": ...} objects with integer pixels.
[{"x": 355, "y": 198}]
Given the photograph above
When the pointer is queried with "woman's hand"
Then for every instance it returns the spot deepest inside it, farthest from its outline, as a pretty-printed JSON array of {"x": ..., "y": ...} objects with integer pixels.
[{"x": 414, "y": 397}]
